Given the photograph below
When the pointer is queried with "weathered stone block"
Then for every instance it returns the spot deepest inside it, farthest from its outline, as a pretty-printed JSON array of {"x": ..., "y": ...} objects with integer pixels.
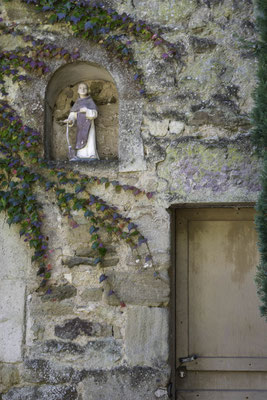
[
  {"x": 75, "y": 327},
  {"x": 146, "y": 336},
  {"x": 138, "y": 383},
  {"x": 60, "y": 293},
  {"x": 73, "y": 261},
  {"x": 15, "y": 257},
  {"x": 157, "y": 128},
  {"x": 140, "y": 288},
  {"x": 201, "y": 45},
  {"x": 12, "y": 300},
  {"x": 102, "y": 353},
  {"x": 9, "y": 375},
  {"x": 42, "y": 371},
  {"x": 91, "y": 294},
  {"x": 45, "y": 392},
  {"x": 176, "y": 127},
  {"x": 56, "y": 347}
]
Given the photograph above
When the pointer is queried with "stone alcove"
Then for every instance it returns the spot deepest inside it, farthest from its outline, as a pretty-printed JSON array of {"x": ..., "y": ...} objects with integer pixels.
[
  {"x": 118, "y": 127},
  {"x": 61, "y": 95}
]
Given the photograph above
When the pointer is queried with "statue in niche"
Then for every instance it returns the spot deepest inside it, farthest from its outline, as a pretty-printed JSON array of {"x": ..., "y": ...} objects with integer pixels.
[{"x": 83, "y": 112}]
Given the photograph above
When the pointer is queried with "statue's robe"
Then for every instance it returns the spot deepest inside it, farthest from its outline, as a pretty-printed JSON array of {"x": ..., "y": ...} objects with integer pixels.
[{"x": 83, "y": 123}]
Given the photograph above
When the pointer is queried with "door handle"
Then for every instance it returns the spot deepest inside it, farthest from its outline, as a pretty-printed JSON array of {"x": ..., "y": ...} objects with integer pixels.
[{"x": 188, "y": 359}]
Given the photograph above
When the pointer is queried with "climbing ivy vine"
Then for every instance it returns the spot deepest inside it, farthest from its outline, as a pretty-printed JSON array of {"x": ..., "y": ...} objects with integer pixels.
[
  {"x": 22, "y": 169},
  {"x": 260, "y": 140}
]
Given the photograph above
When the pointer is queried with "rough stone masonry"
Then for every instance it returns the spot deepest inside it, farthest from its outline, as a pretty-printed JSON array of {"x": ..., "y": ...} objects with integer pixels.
[{"x": 188, "y": 141}]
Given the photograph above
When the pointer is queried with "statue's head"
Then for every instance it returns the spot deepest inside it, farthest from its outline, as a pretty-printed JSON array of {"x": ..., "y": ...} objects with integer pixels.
[{"x": 82, "y": 89}]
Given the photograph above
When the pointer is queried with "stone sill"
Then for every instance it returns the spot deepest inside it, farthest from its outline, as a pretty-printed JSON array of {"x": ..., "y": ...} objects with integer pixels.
[{"x": 111, "y": 165}]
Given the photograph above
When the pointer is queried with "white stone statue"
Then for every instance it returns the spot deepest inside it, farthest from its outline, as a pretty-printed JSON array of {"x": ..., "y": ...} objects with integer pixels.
[{"x": 84, "y": 111}]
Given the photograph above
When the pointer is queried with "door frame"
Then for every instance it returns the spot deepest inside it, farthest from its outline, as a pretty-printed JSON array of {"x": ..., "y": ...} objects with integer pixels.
[{"x": 172, "y": 275}]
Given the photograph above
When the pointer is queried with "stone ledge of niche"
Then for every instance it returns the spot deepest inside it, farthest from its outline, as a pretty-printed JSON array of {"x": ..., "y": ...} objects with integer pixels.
[{"x": 93, "y": 165}]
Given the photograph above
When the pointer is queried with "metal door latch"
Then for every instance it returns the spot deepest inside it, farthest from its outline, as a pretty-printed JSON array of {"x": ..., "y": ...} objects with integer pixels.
[
  {"x": 188, "y": 359},
  {"x": 169, "y": 390}
]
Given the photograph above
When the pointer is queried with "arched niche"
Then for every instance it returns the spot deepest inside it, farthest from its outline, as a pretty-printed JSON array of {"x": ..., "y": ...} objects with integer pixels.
[
  {"x": 130, "y": 103},
  {"x": 60, "y": 96}
]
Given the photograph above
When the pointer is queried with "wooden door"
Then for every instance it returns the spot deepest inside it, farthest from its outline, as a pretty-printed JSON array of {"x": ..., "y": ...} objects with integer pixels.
[{"x": 217, "y": 309}]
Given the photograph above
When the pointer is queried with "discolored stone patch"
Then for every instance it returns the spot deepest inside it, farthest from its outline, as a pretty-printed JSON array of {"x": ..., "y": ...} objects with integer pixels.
[
  {"x": 74, "y": 327},
  {"x": 45, "y": 392}
]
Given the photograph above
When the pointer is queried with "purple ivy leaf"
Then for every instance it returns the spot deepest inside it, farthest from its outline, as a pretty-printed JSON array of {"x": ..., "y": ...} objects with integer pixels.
[
  {"x": 131, "y": 226},
  {"x": 102, "y": 278},
  {"x": 148, "y": 258},
  {"x": 75, "y": 55},
  {"x": 141, "y": 240},
  {"x": 61, "y": 15},
  {"x": 93, "y": 229},
  {"x": 74, "y": 19},
  {"x": 88, "y": 25},
  {"x": 149, "y": 195}
]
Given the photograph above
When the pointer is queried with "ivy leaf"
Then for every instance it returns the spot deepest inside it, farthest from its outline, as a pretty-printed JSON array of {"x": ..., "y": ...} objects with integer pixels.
[
  {"x": 88, "y": 25},
  {"x": 95, "y": 245},
  {"x": 93, "y": 229},
  {"x": 41, "y": 270},
  {"x": 97, "y": 260},
  {"x": 79, "y": 188},
  {"x": 88, "y": 213},
  {"x": 117, "y": 188},
  {"x": 141, "y": 240},
  {"x": 102, "y": 251},
  {"x": 61, "y": 16},
  {"x": 102, "y": 278},
  {"x": 131, "y": 225}
]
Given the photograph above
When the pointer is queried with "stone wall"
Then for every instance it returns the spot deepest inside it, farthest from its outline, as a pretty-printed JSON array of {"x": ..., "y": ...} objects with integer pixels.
[{"x": 188, "y": 141}]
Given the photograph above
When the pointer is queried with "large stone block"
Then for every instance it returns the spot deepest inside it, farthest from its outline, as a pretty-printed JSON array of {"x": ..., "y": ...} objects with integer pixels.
[
  {"x": 43, "y": 371},
  {"x": 14, "y": 255},
  {"x": 146, "y": 336},
  {"x": 12, "y": 300},
  {"x": 45, "y": 392},
  {"x": 140, "y": 288},
  {"x": 9, "y": 376},
  {"x": 60, "y": 293},
  {"x": 138, "y": 383}
]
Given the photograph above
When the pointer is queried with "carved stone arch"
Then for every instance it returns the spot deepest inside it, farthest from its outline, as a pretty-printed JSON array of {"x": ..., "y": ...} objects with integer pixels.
[{"x": 129, "y": 145}]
